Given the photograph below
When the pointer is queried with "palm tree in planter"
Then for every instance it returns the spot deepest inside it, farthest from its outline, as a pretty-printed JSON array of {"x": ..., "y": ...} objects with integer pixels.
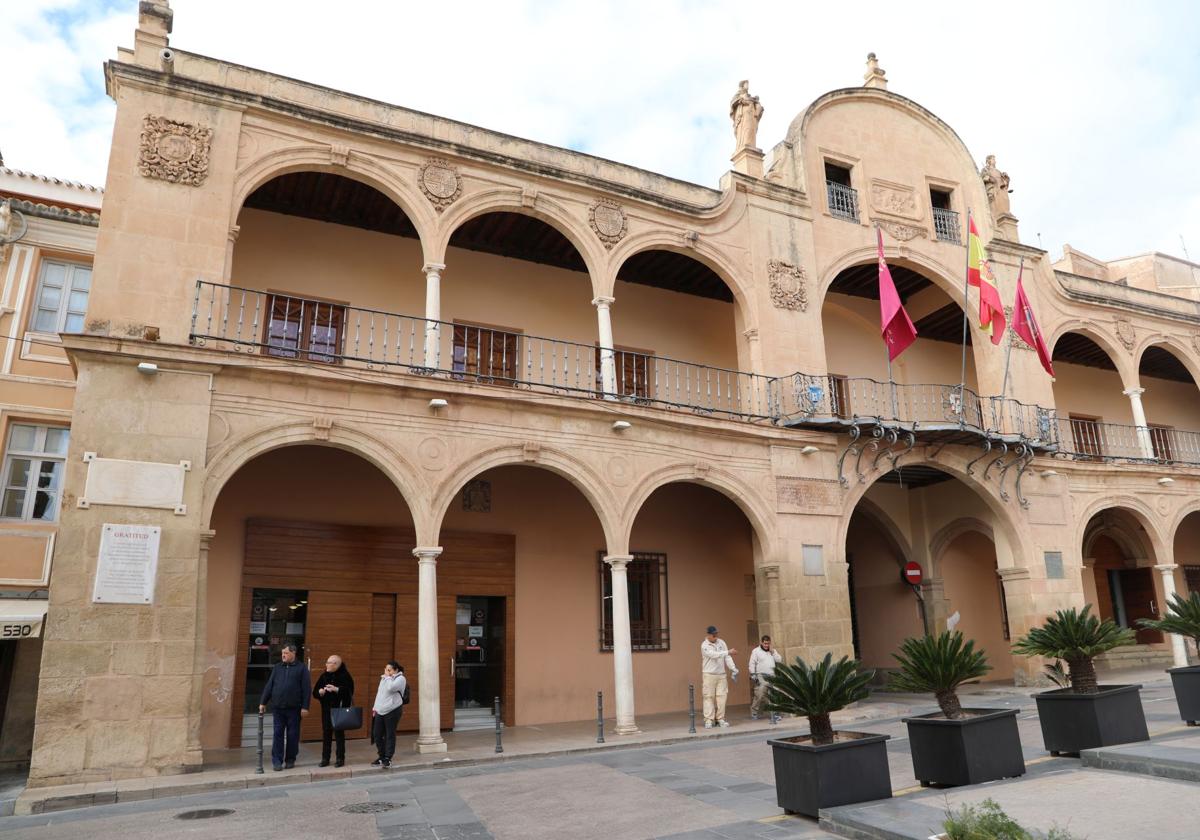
[
  {"x": 956, "y": 746},
  {"x": 825, "y": 768},
  {"x": 1183, "y": 619},
  {"x": 1086, "y": 715}
]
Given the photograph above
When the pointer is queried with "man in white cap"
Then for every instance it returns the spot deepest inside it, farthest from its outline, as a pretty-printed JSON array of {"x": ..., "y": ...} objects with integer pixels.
[{"x": 715, "y": 658}]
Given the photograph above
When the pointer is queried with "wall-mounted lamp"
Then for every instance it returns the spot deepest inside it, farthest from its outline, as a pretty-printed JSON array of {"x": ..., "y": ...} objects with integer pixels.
[
  {"x": 437, "y": 403},
  {"x": 1164, "y": 481},
  {"x": 148, "y": 368},
  {"x": 621, "y": 425},
  {"x": 809, "y": 450}
]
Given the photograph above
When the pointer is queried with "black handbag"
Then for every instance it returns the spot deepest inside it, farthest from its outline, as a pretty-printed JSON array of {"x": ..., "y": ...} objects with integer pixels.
[{"x": 343, "y": 718}]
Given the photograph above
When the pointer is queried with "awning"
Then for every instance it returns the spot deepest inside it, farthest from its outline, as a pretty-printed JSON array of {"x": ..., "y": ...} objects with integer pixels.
[{"x": 21, "y": 619}]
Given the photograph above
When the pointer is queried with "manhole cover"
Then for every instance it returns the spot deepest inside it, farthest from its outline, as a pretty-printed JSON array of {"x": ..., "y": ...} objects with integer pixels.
[
  {"x": 370, "y": 807},
  {"x": 204, "y": 814}
]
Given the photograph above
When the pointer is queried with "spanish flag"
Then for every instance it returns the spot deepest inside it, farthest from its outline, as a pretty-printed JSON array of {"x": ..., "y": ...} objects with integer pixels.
[{"x": 979, "y": 275}]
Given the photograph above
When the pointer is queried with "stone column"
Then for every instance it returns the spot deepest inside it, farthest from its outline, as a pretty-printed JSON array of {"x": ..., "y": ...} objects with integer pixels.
[
  {"x": 622, "y": 643},
  {"x": 1178, "y": 649},
  {"x": 771, "y": 587},
  {"x": 1022, "y": 613},
  {"x": 195, "y": 753},
  {"x": 433, "y": 313},
  {"x": 1139, "y": 420},
  {"x": 608, "y": 372},
  {"x": 429, "y": 669}
]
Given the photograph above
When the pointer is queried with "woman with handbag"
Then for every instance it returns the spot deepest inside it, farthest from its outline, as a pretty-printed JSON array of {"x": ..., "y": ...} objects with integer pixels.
[
  {"x": 385, "y": 714},
  {"x": 335, "y": 690}
]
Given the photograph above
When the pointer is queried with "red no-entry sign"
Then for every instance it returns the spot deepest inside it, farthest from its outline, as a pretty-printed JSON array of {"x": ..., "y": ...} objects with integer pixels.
[{"x": 912, "y": 573}]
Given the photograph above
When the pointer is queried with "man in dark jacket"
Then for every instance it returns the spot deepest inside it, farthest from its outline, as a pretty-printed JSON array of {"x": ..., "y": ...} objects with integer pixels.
[
  {"x": 287, "y": 691},
  {"x": 335, "y": 689}
]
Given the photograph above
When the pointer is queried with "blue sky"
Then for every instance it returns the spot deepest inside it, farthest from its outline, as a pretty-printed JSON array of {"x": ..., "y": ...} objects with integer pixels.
[{"x": 1092, "y": 108}]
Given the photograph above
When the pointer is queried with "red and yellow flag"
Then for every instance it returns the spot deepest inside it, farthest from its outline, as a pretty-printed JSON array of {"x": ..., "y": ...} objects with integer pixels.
[{"x": 979, "y": 275}]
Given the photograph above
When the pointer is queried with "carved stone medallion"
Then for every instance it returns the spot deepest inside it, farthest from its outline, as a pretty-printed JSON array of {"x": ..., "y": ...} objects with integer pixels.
[
  {"x": 440, "y": 182},
  {"x": 1015, "y": 340},
  {"x": 786, "y": 282},
  {"x": 904, "y": 233},
  {"x": 1126, "y": 333},
  {"x": 608, "y": 221},
  {"x": 174, "y": 151},
  {"x": 897, "y": 199}
]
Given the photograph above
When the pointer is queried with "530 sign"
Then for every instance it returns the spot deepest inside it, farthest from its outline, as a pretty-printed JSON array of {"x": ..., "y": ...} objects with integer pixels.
[{"x": 16, "y": 631}]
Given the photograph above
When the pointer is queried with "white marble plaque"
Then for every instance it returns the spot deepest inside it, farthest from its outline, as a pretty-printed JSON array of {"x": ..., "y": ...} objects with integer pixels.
[
  {"x": 111, "y": 481},
  {"x": 128, "y": 564}
]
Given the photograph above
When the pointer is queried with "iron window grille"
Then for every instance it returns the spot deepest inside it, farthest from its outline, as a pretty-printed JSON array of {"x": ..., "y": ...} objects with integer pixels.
[
  {"x": 843, "y": 201},
  {"x": 945, "y": 225},
  {"x": 302, "y": 328},
  {"x": 649, "y": 619}
]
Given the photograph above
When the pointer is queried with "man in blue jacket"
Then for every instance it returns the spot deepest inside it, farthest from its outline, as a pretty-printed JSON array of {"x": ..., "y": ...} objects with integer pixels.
[{"x": 288, "y": 690}]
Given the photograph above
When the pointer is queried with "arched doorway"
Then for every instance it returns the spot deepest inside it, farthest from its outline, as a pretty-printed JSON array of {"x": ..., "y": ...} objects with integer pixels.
[
  {"x": 551, "y": 589},
  {"x": 1118, "y": 574},
  {"x": 925, "y": 514},
  {"x": 694, "y": 565}
]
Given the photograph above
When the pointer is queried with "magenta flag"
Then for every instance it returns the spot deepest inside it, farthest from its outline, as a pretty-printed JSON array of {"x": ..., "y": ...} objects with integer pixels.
[
  {"x": 1026, "y": 326},
  {"x": 897, "y": 328}
]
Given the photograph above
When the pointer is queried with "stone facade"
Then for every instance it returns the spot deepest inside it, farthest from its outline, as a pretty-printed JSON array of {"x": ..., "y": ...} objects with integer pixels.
[{"x": 123, "y": 688}]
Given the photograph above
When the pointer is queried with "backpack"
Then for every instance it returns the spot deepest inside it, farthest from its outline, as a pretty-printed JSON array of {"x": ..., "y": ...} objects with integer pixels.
[{"x": 404, "y": 696}]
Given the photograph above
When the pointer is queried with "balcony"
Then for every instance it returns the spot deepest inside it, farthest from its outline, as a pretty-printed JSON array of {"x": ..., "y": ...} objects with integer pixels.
[
  {"x": 946, "y": 226},
  {"x": 1093, "y": 440},
  {"x": 843, "y": 201},
  {"x": 302, "y": 331}
]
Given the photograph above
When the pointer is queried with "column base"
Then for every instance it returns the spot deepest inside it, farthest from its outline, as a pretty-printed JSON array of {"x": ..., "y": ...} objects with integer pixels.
[
  {"x": 626, "y": 729},
  {"x": 438, "y": 746}
]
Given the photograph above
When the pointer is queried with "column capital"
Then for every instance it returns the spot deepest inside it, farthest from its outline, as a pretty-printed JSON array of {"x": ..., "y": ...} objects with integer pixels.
[
  {"x": 770, "y": 572},
  {"x": 603, "y": 301},
  {"x": 618, "y": 561},
  {"x": 1013, "y": 573},
  {"x": 1166, "y": 568},
  {"x": 206, "y": 538},
  {"x": 750, "y": 334},
  {"x": 434, "y": 268},
  {"x": 234, "y": 230},
  {"x": 427, "y": 554},
  {"x": 1134, "y": 392}
]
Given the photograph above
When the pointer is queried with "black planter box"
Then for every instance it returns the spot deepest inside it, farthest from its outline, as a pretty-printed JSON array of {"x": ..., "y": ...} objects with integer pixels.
[
  {"x": 1186, "y": 682},
  {"x": 980, "y": 748},
  {"x": 809, "y": 778},
  {"x": 1072, "y": 722}
]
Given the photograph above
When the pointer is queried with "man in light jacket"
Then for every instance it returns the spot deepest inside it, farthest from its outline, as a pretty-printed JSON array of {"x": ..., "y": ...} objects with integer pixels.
[
  {"x": 288, "y": 690},
  {"x": 385, "y": 714},
  {"x": 762, "y": 664},
  {"x": 715, "y": 658}
]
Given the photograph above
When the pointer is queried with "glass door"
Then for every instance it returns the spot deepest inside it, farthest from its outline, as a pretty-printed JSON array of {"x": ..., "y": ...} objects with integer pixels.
[{"x": 277, "y": 616}]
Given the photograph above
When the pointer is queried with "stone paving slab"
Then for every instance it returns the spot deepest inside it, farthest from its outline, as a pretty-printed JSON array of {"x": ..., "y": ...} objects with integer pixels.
[{"x": 1168, "y": 760}]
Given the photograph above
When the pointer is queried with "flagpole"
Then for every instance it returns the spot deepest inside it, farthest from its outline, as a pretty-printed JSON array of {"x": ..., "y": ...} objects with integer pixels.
[
  {"x": 962, "y": 385},
  {"x": 1011, "y": 338},
  {"x": 886, "y": 349}
]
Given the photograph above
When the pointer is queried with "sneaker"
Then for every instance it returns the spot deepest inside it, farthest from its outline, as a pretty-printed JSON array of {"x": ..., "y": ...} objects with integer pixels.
[
  {"x": 377, "y": 762},
  {"x": 288, "y": 765},
  {"x": 775, "y": 719},
  {"x": 723, "y": 722},
  {"x": 753, "y": 716},
  {"x": 708, "y": 724},
  {"x": 387, "y": 762}
]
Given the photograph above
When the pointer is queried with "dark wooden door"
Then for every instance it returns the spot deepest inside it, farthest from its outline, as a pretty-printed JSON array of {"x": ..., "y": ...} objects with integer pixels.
[
  {"x": 1141, "y": 601},
  {"x": 335, "y": 625}
]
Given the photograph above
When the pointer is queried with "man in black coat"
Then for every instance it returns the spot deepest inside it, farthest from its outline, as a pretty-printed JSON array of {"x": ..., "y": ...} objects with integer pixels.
[
  {"x": 287, "y": 690},
  {"x": 335, "y": 689}
]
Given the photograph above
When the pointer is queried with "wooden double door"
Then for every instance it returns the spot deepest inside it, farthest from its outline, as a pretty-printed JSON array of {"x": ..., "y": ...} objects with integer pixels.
[{"x": 360, "y": 588}]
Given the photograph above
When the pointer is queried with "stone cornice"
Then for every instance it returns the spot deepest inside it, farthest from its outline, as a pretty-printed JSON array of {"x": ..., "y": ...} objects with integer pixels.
[{"x": 1129, "y": 298}]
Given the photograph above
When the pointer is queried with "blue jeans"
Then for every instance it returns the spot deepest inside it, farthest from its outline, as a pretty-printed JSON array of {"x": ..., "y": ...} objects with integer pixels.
[{"x": 286, "y": 720}]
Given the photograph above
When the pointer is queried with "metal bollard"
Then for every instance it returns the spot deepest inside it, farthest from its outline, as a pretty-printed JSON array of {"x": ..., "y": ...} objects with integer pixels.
[
  {"x": 599, "y": 717},
  {"x": 259, "y": 769},
  {"x": 496, "y": 712},
  {"x": 691, "y": 709}
]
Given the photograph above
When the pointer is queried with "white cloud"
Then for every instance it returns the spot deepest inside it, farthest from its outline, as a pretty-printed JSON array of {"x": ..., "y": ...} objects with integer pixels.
[{"x": 1091, "y": 107}]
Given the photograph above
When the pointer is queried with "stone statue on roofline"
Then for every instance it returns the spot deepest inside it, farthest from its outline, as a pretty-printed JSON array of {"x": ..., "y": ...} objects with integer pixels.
[
  {"x": 996, "y": 183},
  {"x": 745, "y": 111}
]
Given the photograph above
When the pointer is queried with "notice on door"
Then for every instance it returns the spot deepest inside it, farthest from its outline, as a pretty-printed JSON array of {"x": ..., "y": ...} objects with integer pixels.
[{"x": 128, "y": 564}]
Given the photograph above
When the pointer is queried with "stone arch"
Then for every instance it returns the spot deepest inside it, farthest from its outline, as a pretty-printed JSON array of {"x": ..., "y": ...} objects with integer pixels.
[
  {"x": 1180, "y": 515},
  {"x": 237, "y": 453},
  {"x": 954, "y": 464},
  {"x": 358, "y": 167},
  {"x": 952, "y": 531},
  {"x": 932, "y": 270},
  {"x": 583, "y": 477},
  {"x": 700, "y": 250},
  {"x": 1122, "y": 361},
  {"x": 510, "y": 201},
  {"x": 887, "y": 525},
  {"x": 1174, "y": 346},
  {"x": 751, "y": 504},
  {"x": 1155, "y": 546}
]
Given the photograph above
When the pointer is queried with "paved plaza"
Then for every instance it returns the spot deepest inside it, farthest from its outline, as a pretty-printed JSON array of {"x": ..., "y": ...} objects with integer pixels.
[{"x": 706, "y": 788}]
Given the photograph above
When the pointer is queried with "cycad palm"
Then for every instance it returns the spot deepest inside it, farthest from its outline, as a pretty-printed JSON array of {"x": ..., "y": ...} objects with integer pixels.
[
  {"x": 939, "y": 665},
  {"x": 817, "y": 692},
  {"x": 1182, "y": 618},
  {"x": 1075, "y": 636}
]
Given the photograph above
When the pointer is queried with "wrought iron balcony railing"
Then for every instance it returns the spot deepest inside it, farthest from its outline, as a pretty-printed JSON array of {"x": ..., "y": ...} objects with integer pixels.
[
  {"x": 946, "y": 226},
  {"x": 303, "y": 330},
  {"x": 1094, "y": 440},
  {"x": 843, "y": 200}
]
